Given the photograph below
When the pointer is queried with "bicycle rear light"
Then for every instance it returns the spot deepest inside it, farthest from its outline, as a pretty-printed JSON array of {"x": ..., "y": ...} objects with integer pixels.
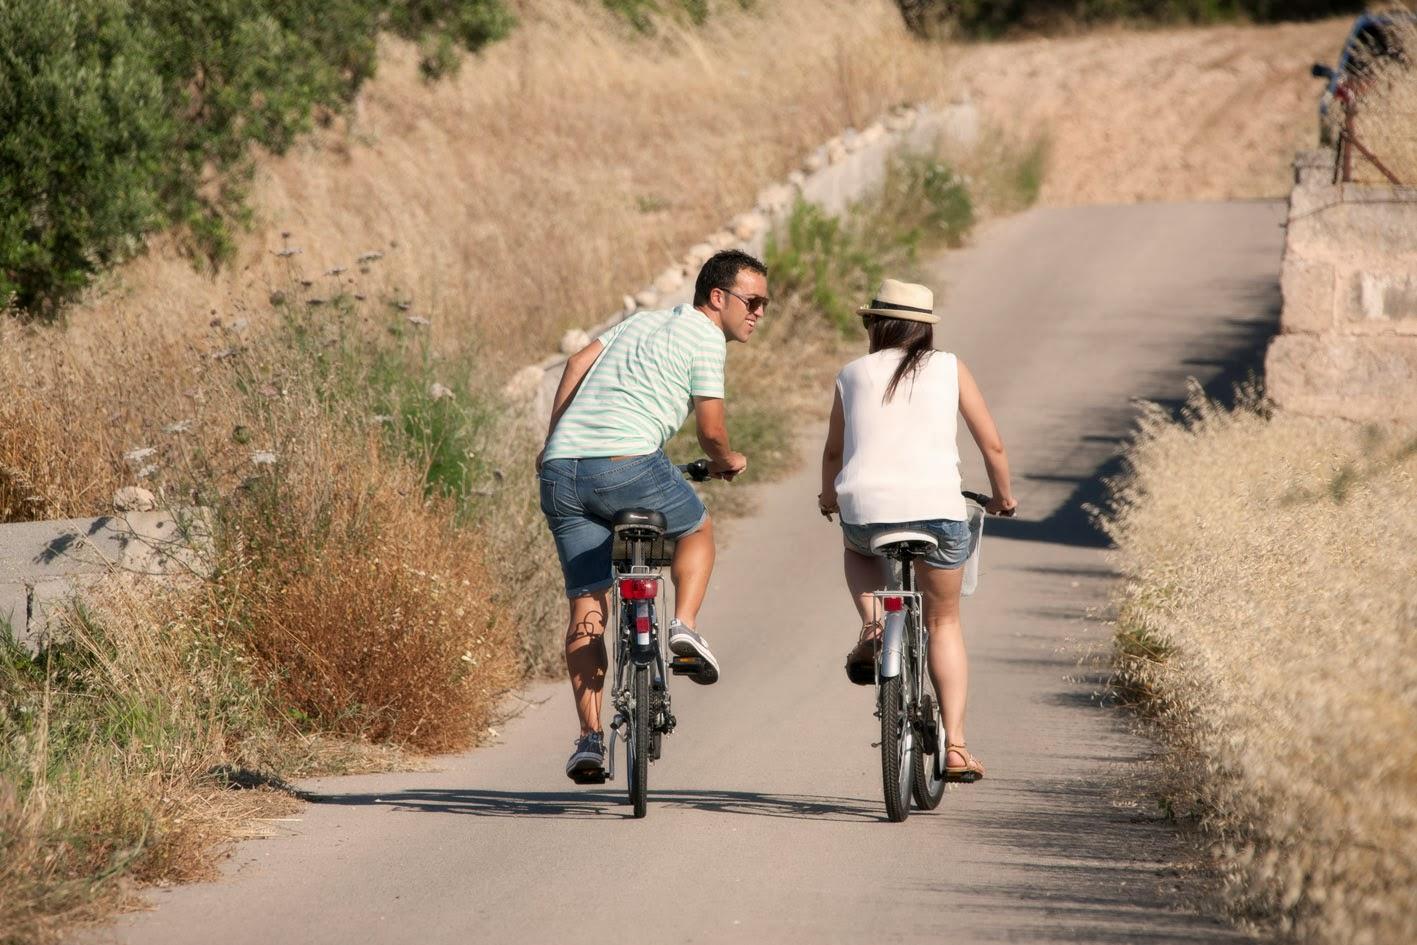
[
  {"x": 893, "y": 604},
  {"x": 639, "y": 588}
]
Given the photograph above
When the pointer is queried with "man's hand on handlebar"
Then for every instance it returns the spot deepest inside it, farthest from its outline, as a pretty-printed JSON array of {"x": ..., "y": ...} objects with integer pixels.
[{"x": 728, "y": 467}]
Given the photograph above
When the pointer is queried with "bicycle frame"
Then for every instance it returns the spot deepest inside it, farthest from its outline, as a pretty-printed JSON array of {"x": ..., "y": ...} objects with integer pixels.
[{"x": 637, "y": 643}]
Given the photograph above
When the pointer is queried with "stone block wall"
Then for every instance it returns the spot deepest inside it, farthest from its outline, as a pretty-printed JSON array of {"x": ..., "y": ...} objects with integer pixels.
[
  {"x": 44, "y": 565},
  {"x": 1348, "y": 330}
]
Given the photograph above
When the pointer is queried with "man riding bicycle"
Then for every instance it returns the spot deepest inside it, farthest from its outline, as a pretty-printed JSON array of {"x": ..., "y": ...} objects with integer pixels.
[{"x": 619, "y": 401}]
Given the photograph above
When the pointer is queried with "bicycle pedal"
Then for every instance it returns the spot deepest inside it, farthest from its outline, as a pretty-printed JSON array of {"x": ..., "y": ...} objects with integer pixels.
[{"x": 686, "y": 665}]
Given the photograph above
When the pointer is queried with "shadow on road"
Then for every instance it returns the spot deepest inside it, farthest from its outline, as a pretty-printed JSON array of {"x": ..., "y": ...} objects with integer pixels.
[
  {"x": 580, "y": 805},
  {"x": 1223, "y": 362},
  {"x": 1097, "y": 884}
]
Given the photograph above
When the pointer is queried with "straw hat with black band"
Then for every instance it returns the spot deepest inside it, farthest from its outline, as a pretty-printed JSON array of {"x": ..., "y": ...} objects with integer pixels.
[{"x": 905, "y": 300}]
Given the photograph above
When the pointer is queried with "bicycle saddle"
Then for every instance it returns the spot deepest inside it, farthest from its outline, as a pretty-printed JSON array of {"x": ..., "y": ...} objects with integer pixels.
[
  {"x": 638, "y": 519},
  {"x": 913, "y": 543}
]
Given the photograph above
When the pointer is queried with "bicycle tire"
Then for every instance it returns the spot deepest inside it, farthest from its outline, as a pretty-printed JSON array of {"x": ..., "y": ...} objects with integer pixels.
[
  {"x": 927, "y": 777},
  {"x": 638, "y": 744},
  {"x": 895, "y": 749}
]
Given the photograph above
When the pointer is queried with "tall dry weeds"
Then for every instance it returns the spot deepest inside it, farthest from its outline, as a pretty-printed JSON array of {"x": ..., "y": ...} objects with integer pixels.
[
  {"x": 1269, "y": 613},
  {"x": 110, "y": 746}
]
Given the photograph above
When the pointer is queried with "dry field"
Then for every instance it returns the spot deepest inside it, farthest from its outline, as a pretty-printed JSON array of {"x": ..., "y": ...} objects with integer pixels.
[
  {"x": 1177, "y": 114},
  {"x": 568, "y": 164},
  {"x": 1269, "y": 620}
]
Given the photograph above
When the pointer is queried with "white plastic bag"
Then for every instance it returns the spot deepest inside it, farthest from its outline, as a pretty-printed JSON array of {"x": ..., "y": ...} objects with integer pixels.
[{"x": 975, "y": 515}]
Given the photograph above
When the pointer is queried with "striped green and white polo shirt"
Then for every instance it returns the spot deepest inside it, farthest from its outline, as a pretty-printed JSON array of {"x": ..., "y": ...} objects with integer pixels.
[{"x": 638, "y": 392}]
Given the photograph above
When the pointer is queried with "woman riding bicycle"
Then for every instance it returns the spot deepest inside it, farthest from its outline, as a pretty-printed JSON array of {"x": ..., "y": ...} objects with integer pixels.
[{"x": 890, "y": 460}]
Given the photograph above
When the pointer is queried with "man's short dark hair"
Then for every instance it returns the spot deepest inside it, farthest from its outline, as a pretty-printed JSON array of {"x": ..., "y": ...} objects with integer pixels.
[{"x": 721, "y": 272}]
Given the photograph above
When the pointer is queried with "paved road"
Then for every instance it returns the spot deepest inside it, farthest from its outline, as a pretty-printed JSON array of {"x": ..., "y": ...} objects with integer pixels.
[{"x": 766, "y": 822}]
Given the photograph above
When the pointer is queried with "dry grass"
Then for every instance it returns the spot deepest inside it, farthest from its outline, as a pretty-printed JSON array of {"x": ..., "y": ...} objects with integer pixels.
[
  {"x": 1269, "y": 615},
  {"x": 1175, "y": 114},
  {"x": 108, "y": 746},
  {"x": 559, "y": 169},
  {"x": 1385, "y": 116},
  {"x": 573, "y": 161}
]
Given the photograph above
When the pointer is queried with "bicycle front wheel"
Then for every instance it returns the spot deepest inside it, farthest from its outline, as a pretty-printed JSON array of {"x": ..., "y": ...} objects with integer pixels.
[
  {"x": 896, "y": 748},
  {"x": 638, "y": 743}
]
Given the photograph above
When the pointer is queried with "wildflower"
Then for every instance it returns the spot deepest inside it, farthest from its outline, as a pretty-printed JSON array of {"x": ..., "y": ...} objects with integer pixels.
[
  {"x": 288, "y": 251},
  {"x": 263, "y": 458},
  {"x": 147, "y": 470},
  {"x": 439, "y": 392},
  {"x": 382, "y": 418},
  {"x": 417, "y": 321},
  {"x": 181, "y": 426},
  {"x": 138, "y": 454}
]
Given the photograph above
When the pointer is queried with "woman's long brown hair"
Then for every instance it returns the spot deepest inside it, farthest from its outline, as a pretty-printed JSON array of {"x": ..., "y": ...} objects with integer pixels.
[{"x": 917, "y": 338}]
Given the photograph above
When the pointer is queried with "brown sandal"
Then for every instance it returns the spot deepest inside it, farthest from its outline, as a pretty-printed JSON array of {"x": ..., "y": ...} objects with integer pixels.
[
  {"x": 967, "y": 773},
  {"x": 861, "y": 661}
]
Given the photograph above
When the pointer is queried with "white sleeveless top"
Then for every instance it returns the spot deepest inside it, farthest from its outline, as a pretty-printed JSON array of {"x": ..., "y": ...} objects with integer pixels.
[{"x": 900, "y": 461}]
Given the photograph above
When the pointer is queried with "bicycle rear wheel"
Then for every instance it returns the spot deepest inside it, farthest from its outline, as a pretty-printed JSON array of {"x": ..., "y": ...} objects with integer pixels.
[
  {"x": 638, "y": 743},
  {"x": 927, "y": 780},
  {"x": 896, "y": 748}
]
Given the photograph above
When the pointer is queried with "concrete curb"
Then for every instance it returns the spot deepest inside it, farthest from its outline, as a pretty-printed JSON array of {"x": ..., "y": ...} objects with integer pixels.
[{"x": 45, "y": 565}]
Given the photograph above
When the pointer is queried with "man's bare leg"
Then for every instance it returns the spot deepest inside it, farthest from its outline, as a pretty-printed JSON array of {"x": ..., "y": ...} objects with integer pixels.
[
  {"x": 585, "y": 655},
  {"x": 690, "y": 572}
]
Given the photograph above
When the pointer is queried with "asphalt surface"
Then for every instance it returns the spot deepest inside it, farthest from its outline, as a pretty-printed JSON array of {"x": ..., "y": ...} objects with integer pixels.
[{"x": 766, "y": 822}]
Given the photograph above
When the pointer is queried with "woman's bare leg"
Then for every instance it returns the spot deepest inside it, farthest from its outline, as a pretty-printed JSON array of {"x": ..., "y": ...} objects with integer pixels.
[
  {"x": 864, "y": 575},
  {"x": 949, "y": 665}
]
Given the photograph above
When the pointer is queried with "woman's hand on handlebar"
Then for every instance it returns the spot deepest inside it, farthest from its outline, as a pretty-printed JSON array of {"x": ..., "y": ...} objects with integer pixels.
[{"x": 1004, "y": 507}]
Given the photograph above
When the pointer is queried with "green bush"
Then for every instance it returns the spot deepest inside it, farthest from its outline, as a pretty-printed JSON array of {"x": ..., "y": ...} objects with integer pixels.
[
  {"x": 830, "y": 263},
  {"x": 989, "y": 18},
  {"x": 124, "y": 116}
]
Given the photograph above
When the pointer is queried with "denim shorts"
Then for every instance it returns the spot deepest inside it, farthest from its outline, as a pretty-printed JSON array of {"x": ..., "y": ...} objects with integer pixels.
[
  {"x": 579, "y": 497},
  {"x": 956, "y": 541}
]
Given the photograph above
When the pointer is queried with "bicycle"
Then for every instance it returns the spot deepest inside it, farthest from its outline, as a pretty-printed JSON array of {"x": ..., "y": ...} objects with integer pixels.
[
  {"x": 640, "y": 692},
  {"x": 912, "y": 746}
]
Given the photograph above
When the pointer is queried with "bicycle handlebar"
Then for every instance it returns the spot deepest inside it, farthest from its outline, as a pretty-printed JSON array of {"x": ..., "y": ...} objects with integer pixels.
[{"x": 698, "y": 470}]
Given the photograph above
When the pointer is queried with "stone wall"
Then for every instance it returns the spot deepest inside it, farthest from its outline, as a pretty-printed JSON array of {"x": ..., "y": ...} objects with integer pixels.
[
  {"x": 1348, "y": 331},
  {"x": 43, "y": 565}
]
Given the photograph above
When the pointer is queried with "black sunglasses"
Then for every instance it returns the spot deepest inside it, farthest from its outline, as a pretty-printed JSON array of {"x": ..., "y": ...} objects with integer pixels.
[{"x": 754, "y": 303}]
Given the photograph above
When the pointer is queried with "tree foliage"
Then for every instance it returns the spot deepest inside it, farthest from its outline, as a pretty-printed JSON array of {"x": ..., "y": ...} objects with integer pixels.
[{"x": 124, "y": 116}]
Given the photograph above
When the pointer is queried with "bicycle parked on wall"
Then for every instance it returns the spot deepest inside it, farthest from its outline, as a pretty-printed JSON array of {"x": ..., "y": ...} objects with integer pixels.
[
  {"x": 912, "y": 731},
  {"x": 640, "y": 689}
]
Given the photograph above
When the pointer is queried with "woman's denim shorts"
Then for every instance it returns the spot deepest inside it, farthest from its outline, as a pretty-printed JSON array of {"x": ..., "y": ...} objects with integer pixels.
[
  {"x": 956, "y": 541},
  {"x": 579, "y": 497}
]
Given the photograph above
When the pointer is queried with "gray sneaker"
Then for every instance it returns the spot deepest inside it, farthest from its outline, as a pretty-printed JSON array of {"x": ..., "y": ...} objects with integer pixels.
[
  {"x": 587, "y": 762},
  {"x": 685, "y": 642}
]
